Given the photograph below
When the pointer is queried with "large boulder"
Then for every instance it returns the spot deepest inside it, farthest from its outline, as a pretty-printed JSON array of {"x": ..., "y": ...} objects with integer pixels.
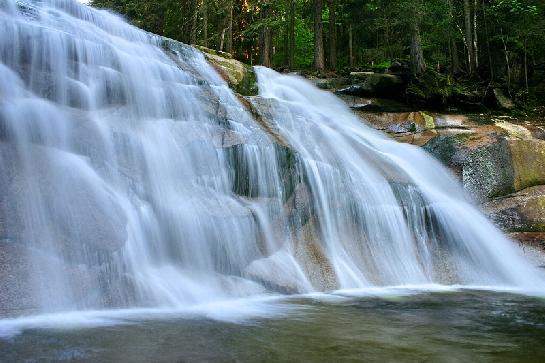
[
  {"x": 491, "y": 160},
  {"x": 500, "y": 100},
  {"x": 502, "y": 165},
  {"x": 528, "y": 158},
  {"x": 330, "y": 83},
  {"x": 370, "y": 84},
  {"x": 487, "y": 172},
  {"x": 240, "y": 77},
  {"x": 523, "y": 211},
  {"x": 373, "y": 105}
]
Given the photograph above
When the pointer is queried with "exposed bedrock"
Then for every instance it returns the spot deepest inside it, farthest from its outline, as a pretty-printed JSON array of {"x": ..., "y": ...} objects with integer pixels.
[{"x": 500, "y": 162}]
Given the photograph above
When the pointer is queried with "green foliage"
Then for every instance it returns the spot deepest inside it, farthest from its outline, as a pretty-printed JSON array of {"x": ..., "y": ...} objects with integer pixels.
[
  {"x": 304, "y": 44},
  {"x": 509, "y": 35}
]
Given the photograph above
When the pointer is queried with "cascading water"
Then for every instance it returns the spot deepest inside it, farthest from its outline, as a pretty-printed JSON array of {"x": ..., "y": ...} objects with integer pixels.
[
  {"x": 133, "y": 177},
  {"x": 118, "y": 166},
  {"x": 388, "y": 214}
]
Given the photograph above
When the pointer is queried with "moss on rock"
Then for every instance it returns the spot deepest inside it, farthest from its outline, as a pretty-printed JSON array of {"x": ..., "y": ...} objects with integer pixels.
[
  {"x": 240, "y": 77},
  {"x": 528, "y": 157},
  {"x": 523, "y": 211}
]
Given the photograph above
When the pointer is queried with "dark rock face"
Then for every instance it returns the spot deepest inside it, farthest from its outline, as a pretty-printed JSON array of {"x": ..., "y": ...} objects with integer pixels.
[
  {"x": 498, "y": 99},
  {"x": 375, "y": 105},
  {"x": 330, "y": 83},
  {"x": 371, "y": 84}
]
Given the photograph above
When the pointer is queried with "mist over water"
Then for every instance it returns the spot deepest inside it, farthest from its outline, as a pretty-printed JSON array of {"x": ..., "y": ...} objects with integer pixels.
[{"x": 133, "y": 177}]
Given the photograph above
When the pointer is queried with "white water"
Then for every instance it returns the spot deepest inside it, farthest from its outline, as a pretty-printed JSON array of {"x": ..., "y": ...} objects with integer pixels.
[
  {"x": 133, "y": 178},
  {"x": 389, "y": 214}
]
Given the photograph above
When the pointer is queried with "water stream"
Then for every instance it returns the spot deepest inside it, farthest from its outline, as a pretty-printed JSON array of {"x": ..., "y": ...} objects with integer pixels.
[{"x": 135, "y": 182}]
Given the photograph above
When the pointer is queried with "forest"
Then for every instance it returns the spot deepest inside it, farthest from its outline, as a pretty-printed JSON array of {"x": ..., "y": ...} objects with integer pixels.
[{"x": 450, "y": 45}]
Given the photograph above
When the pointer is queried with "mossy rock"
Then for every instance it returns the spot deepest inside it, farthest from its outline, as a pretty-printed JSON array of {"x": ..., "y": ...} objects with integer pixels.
[
  {"x": 483, "y": 162},
  {"x": 489, "y": 171},
  {"x": 218, "y": 53},
  {"x": 240, "y": 77},
  {"x": 523, "y": 211},
  {"x": 369, "y": 84},
  {"x": 528, "y": 162}
]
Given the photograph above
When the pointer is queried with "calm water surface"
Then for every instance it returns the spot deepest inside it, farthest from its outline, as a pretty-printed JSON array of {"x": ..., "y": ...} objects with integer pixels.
[{"x": 468, "y": 326}]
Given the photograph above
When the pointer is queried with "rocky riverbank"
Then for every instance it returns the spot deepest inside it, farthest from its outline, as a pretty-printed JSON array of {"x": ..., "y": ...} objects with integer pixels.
[{"x": 499, "y": 160}]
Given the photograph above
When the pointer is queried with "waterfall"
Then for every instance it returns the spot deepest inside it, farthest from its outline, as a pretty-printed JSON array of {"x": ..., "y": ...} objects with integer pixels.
[
  {"x": 132, "y": 176},
  {"x": 119, "y": 166},
  {"x": 388, "y": 213}
]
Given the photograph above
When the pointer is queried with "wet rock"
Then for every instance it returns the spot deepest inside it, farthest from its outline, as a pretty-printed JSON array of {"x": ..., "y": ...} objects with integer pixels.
[
  {"x": 449, "y": 150},
  {"x": 31, "y": 278},
  {"x": 492, "y": 160},
  {"x": 264, "y": 111},
  {"x": 523, "y": 211},
  {"x": 513, "y": 131},
  {"x": 533, "y": 239},
  {"x": 451, "y": 121},
  {"x": 238, "y": 75},
  {"x": 299, "y": 205},
  {"x": 500, "y": 100},
  {"x": 312, "y": 257},
  {"x": 73, "y": 211},
  {"x": 279, "y": 272},
  {"x": 416, "y": 138},
  {"x": 400, "y": 122},
  {"x": 14, "y": 279},
  {"x": 228, "y": 138},
  {"x": 366, "y": 104},
  {"x": 375, "y": 85},
  {"x": 330, "y": 83}
]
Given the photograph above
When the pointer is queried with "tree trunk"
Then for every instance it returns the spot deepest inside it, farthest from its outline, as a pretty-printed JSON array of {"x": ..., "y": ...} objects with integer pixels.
[
  {"x": 287, "y": 40},
  {"x": 229, "y": 28},
  {"x": 469, "y": 36},
  {"x": 454, "y": 59},
  {"x": 291, "y": 60},
  {"x": 526, "y": 65},
  {"x": 194, "y": 17},
  {"x": 332, "y": 35},
  {"x": 204, "y": 8},
  {"x": 418, "y": 64},
  {"x": 318, "y": 36},
  {"x": 265, "y": 39},
  {"x": 490, "y": 63},
  {"x": 475, "y": 41},
  {"x": 350, "y": 46},
  {"x": 503, "y": 39},
  {"x": 222, "y": 40}
]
